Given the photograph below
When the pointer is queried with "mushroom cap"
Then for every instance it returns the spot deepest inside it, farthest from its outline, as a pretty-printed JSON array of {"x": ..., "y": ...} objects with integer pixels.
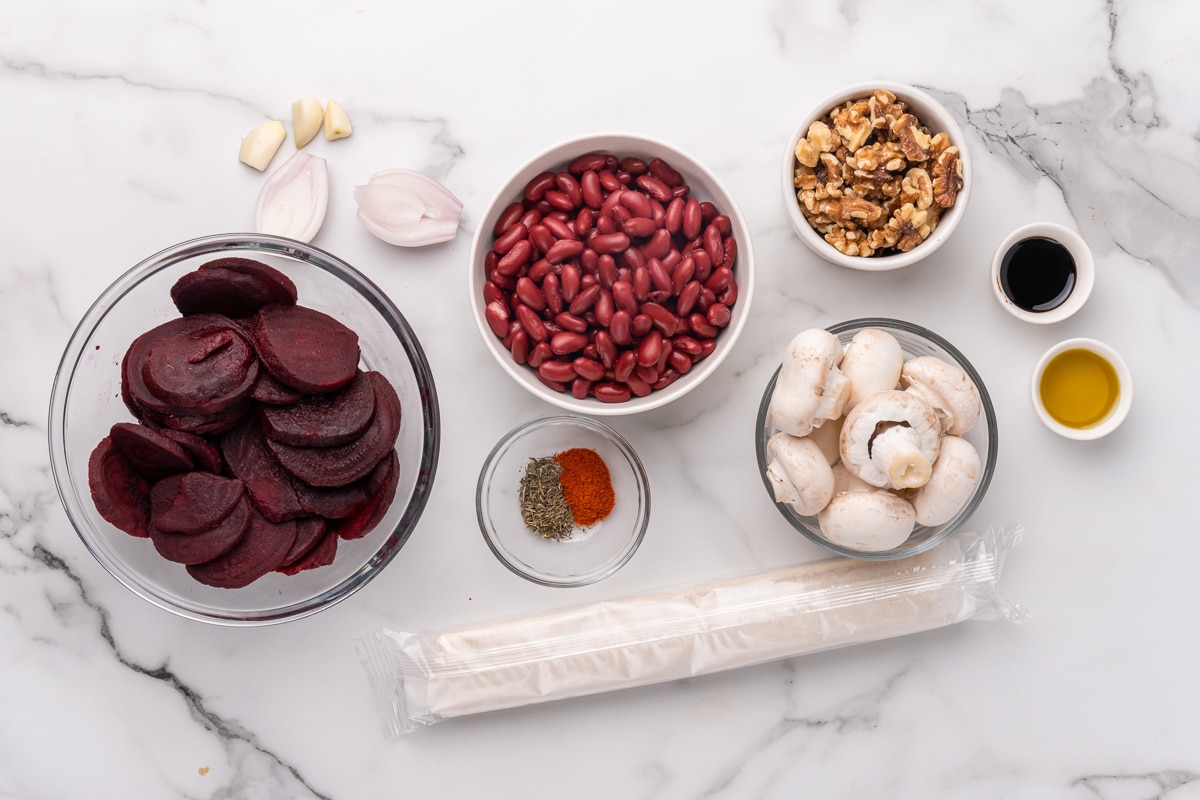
[
  {"x": 829, "y": 438},
  {"x": 799, "y": 473},
  {"x": 947, "y": 388},
  {"x": 873, "y": 362},
  {"x": 810, "y": 388},
  {"x": 887, "y": 413},
  {"x": 870, "y": 521},
  {"x": 846, "y": 481},
  {"x": 956, "y": 473}
]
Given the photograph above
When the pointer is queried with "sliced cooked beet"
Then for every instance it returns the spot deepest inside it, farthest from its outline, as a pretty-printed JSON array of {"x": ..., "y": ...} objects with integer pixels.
[
  {"x": 215, "y": 542},
  {"x": 324, "y": 420},
  {"x": 121, "y": 495},
  {"x": 269, "y": 391},
  {"x": 305, "y": 349},
  {"x": 198, "y": 364},
  {"x": 270, "y": 487},
  {"x": 344, "y": 464},
  {"x": 235, "y": 287},
  {"x": 150, "y": 451},
  {"x": 260, "y": 551},
  {"x": 193, "y": 502},
  {"x": 309, "y": 531},
  {"x": 198, "y": 424},
  {"x": 320, "y": 555},
  {"x": 205, "y": 455},
  {"x": 384, "y": 481}
]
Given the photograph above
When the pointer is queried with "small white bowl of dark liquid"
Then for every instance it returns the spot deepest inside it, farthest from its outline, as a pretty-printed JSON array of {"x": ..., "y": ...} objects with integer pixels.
[{"x": 1043, "y": 273}]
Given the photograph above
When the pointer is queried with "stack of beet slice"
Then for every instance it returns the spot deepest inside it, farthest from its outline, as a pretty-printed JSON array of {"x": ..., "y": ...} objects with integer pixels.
[{"x": 259, "y": 442}]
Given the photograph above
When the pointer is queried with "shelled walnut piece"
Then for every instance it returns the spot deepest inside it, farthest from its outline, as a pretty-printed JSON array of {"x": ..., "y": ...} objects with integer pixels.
[{"x": 872, "y": 179}]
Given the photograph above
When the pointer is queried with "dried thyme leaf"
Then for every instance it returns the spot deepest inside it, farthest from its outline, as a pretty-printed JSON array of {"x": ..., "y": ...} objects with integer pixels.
[{"x": 543, "y": 506}]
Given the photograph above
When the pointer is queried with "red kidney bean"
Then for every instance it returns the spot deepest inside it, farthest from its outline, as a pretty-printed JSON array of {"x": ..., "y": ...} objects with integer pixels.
[
  {"x": 514, "y": 233},
  {"x": 541, "y": 237},
  {"x": 713, "y": 244},
  {"x": 611, "y": 243},
  {"x": 634, "y": 259},
  {"x": 659, "y": 276},
  {"x": 730, "y": 253},
  {"x": 640, "y": 325},
  {"x": 729, "y": 296},
  {"x": 557, "y": 371},
  {"x": 641, "y": 281},
  {"x": 655, "y": 188},
  {"x": 680, "y": 362},
  {"x": 590, "y": 161},
  {"x": 585, "y": 299},
  {"x": 492, "y": 293},
  {"x": 639, "y": 227},
  {"x": 588, "y": 279},
  {"x": 719, "y": 280},
  {"x": 539, "y": 270},
  {"x": 706, "y": 299},
  {"x": 621, "y": 215},
  {"x": 569, "y": 322},
  {"x": 638, "y": 386},
  {"x": 490, "y": 261},
  {"x": 583, "y": 222},
  {"x": 569, "y": 277},
  {"x": 511, "y": 213},
  {"x": 624, "y": 366},
  {"x": 530, "y": 294},
  {"x": 532, "y": 323},
  {"x": 606, "y": 271},
  {"x": 637, "y": 204},
  {"x": 608, "y": 180},
  {"x": 581, "y": 388},
  {"x": 531, "y": 217},
  {"x": 505, "y": 282},
  {"x": 718, "y": 315},
  {"x": 515, "y": 259},
  {"x": 604, "y": 307},
  {"x": 703, "y": 264},
  {"x": 624, "y": 274},
  {"x": 634, "y": 166},
  {"x": 606, "y": 349},
  {"x": 564, "y": 250},
  {"x": 686, "y": 344},
  {"x": 559, "y": 200},
  {"x": 683, "y": 273},
  {"x": 701, "y": 326},
  {"x": 667, "y": 377},
  {"x": 688, "y": 296},
  {"x": 723, "y": 223},
  {"x": 539, "y": 353},
  {"x": 693, "y": 219},
  {"x": 589, "y": 186},
  {"x": 622, "y": 295},
  {"x": 624, "y": 177},
  {"x": 567, "y": 342},
  {"x": 608, "y": 392},
  {"x": 658, "y": 245},
  {"x": 559, "y": 228},
  {"x": 535, "y": 190},
  {"x": 554, "y": 386},
  {"x": 519, "y": 346},
  {"x": 647, "y": 374},
  {"x": 707, "y": 346},
  {"x": 589, "y": 369},
  {"x": 665, "y": 172},
  {"x": 661, "y": 317},
  {"x": 496, "y": 314},
  {"x": 588, "y": 259},
  {"x": 658, "y": 213},
  {"x": 708, "y": 211},
  {"x": 673, "y": 221},
  {"x": 567, "y": 184},
  {"x": 672, "y": 258},
  {"x": 619, "y": 327},
  {"x": 604, "y": 226},
  {"x": 649, "y": 348}
]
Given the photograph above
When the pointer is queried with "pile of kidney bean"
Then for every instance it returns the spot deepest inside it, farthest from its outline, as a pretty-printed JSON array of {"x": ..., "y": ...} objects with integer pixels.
[{"x": 608, "y": 278}]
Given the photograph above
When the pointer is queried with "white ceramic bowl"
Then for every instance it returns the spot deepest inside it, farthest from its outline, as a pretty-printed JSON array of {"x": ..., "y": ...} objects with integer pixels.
[
  {"x": 933, "y": 116},
  {"x": 704, "y": 186},
  {"x": 1085, "y": 272},
  {"x": 1090, "y": 376}
]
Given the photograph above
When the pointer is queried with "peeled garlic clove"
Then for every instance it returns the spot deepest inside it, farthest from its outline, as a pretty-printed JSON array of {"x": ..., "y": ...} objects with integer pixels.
[
  {"x": 261, "y": 144},
  {"x": 307, "y": 116},
  {"x": 408, "y": 209},
  {"x": 337, "y": 121},
  {"x": 293, "y": 201}
]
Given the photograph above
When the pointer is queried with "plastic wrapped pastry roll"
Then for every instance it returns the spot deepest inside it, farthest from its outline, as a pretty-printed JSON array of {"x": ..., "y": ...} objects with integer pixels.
[{"x": 422, "y": 678}]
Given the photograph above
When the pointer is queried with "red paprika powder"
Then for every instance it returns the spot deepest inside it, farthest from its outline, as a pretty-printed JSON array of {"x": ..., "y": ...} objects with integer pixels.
[{"x": 587, "y": 485}]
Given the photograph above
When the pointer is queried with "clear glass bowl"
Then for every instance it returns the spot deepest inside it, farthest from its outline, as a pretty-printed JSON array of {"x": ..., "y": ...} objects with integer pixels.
[
  {"x": 86, "y": 402},
  {"x": 589, "y": 555},
  {"x": 914, "y": 341}
]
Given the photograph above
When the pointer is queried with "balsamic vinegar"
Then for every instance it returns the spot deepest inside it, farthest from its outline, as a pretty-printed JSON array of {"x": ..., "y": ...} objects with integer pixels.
[{"x": 1037, "y": 274}]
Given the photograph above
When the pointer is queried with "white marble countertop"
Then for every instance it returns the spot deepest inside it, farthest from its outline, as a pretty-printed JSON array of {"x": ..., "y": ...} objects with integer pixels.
[{"x": 122, "y": 127}]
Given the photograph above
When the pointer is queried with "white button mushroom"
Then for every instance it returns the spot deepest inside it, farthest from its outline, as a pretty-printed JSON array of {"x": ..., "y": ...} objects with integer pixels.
[
  {"x": 846, "y": 481},
  {"x": 947, "y": 388},
  {"x": 872, "y": 521},
  {"x": 810, "y": 388},
  {"x": 955, "y": 475},
  {"x": 829, "y": 438},
  {"x": 872, "y": 362},
  {"x": 799, "y": 473},
  {"x": 891, "y": 440}
]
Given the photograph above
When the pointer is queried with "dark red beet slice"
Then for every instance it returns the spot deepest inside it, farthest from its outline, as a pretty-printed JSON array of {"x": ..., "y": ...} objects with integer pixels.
[
  {"x": 121, "y": 495},
  {"x": 344, "y": 464},
  {"x": 205, "y": 455},
  {"x": 198, "y": 424},
  {"x": 260, "y": 551},
  {"x": 212, "y": 543},
  {"x": 149, "y": 451},
  {"x": 235, "y": 287},
  {"x": 324, "y": 420},
  {"x": 321, "y": 555},
  {"x": 385, "y": 479},
  {"x": 193, "y": 502},
  {"x": 271, "y": 392},
  {"x": 270, "y": 487},
  {"x": 305, "y": 349},
  {"x": 309, "y": 531}
]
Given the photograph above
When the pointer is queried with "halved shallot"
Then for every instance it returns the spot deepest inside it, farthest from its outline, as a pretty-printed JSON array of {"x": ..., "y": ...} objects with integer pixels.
[
  {"x": 407, "y": 208},
  {"x": 293, "y": 200}
]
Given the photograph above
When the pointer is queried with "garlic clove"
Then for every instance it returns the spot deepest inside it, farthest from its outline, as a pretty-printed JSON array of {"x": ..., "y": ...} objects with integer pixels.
[
  {"x": 294, "y": 199},
  {"x": 261, "y": 144},
  {"x": 307, "y": 116},
  {"x": 337, "y": 121},
  {"x": 407, "y": 208}
]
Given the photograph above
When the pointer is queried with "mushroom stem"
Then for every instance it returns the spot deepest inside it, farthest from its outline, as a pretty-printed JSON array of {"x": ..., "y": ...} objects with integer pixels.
[
  {"x": 898, "y": 450},
  {"x": 834, "y": 396}
]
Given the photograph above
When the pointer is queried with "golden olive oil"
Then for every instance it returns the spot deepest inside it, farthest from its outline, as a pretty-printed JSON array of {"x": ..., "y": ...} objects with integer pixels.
[{"x": 1079, "y": 388}]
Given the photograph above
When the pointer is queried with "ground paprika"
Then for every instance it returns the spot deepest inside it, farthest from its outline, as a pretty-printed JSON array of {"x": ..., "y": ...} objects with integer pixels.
[{"x": 587, "y": 485}]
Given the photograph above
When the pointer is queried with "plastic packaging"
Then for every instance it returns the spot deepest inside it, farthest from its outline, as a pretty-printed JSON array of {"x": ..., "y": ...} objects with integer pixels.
[{"x": 419, "y": 679}]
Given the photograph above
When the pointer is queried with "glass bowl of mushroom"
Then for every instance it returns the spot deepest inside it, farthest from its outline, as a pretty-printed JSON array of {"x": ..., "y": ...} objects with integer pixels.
[{"x": 876, "y": 438}]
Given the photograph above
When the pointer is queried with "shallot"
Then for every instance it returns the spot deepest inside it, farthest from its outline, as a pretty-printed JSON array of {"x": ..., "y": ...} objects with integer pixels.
[
  {"x": 294, "y": 199},
  {"x": 407, "y": 208}
]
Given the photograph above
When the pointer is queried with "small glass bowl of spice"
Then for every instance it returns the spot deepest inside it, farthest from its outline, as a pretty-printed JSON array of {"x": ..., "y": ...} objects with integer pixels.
[{"x": 563, "y": 500}]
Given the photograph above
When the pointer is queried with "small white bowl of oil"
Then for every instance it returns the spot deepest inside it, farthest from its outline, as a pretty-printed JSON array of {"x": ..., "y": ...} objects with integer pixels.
[{"x": 1082, "y": 389}]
